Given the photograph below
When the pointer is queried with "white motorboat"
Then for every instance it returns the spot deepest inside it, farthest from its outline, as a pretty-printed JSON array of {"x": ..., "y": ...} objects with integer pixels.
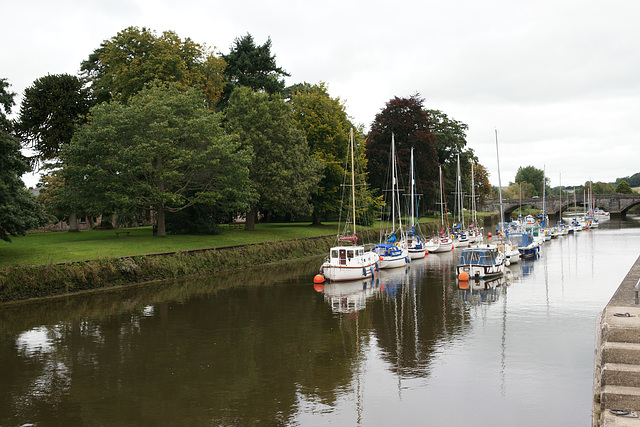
[{"x": 480, "y": 263}]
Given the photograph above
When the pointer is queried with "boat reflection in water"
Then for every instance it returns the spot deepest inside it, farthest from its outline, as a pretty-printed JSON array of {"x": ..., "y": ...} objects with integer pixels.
[
  {"x": 348, "y": 297},
  {"x": 523, "y": 269},
  {"x": 484, "y": 291}
]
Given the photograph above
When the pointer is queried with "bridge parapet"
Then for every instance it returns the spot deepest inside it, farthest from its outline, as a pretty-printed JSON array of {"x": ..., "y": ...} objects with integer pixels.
[{"x": 617, "y": 204}]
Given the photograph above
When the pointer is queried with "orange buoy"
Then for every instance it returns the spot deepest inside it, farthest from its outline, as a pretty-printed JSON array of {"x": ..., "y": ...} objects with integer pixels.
[
  {"x": 463, "y": 277},
  {"x": 380, "y": 258},
  {"x": 489, "y": 235},
  {"x": 319, "y": 278}
]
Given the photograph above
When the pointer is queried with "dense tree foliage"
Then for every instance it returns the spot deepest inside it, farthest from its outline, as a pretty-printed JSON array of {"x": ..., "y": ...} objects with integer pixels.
[
  {"x": 283, "y": 172},
  {"x": 633, "y": 180},
  {"x": 481, "y": 181},
  {"x": 406, "y": 119},
  {"x": 161, "y": 149},
  {"x": 135, "y": 57},
  {"x": 600, "y": 187},
  {"x": 19, "y": 211}
]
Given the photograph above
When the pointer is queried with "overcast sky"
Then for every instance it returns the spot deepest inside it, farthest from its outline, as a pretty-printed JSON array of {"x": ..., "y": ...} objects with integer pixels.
[{"x": 559, "y": 80}]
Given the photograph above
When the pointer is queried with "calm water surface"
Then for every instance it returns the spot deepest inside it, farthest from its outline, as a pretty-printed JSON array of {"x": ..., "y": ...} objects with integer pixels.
[{"x": 266, "y": 347}]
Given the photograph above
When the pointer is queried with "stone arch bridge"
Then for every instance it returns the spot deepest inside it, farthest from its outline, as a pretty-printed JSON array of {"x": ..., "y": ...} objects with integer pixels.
[{"x": 616, "y": 204}]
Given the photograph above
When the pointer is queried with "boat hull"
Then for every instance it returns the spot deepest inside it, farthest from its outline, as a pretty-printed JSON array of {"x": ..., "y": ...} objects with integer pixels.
[
  {"x": 415, "y": 253},
  {"x": 480, "y": 271},
  {"x": 439, "y": 245}
]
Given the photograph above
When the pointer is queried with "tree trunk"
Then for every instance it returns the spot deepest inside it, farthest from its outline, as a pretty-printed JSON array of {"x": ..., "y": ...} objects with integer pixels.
[
  {"x": 160, "y": 222},
  {"x": 315, "y": 218},
  {"x": 250, "y": 225},
  {"x": 73, "y": 223}
]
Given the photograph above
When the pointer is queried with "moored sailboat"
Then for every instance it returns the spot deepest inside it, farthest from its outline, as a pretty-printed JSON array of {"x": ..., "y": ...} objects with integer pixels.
[
  {"x": 350, "y": 262},
  {"x": 394, "y": 252},
  {"x": 441, "y": 242},
  {"x": 415, "y": 240}
]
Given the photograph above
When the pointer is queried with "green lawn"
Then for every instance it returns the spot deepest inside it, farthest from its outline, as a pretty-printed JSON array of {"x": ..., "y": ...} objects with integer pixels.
[{"x": 44, "y": 248}]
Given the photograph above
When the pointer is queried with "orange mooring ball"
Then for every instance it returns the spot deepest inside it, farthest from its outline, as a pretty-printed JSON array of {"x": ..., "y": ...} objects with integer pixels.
[
  {"x": 489, "y": 235},
  {"x": 319, "y": 278},
  {"x": 463, "y": 277}
]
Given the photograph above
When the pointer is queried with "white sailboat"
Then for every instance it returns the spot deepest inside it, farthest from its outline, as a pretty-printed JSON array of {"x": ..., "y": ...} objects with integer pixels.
[
  {"x": 415, "y": 240},
  {"x": 394, "y": 252},
  {"x": 460, "y": 237},
  {"x": 443, "y": 241},
  {"x": 474, "y": 232},
  {"x": 503, "y": 243},
  {"x": 349, "y": 262}
]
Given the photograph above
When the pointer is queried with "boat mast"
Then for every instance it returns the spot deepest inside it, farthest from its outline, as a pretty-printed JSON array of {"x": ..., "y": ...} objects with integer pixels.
[
  {"x": 459, "y": 197},
  {"x": 499, "y": 186},
  {"x": 413, "y": 184},
  {"x": 393, "y": 183},
  {"x": 441, "y": 201},
  {"x": 560, "y": 215},
  {"x": 353, "y": 181},
  {"x": 474, "y": 215},
  {"x": 544, "y": 193}
]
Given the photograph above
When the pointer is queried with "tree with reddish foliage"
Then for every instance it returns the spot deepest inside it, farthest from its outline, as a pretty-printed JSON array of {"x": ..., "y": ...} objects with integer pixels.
[{"x": 407, "y": 120}]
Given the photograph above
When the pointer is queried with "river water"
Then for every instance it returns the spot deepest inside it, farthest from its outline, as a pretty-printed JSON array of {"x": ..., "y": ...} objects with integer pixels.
[{"x": 267, "y": 347}]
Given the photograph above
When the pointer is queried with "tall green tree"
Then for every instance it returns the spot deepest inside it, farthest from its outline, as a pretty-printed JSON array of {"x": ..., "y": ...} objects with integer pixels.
[
  {"x": 451, "y": 141},
  {"x": 19, "y": 211},
  {"x": 253, "y": 66},
  {"x": 533, "y": 176},
  {"x": 52, "y": 108},
  {"x": 623, "y": 187},
  {"x": 326, "y": 125},
  {"x": 283, "y": 171},
  {"x": 407, "y": 120},
  {"x": 135, "y": 57},
  {"x": 162, "y": 149}
]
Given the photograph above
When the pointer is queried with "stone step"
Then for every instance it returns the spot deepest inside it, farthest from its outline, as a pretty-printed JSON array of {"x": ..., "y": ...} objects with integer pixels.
[
  {"x": 616, "y": 326},
  {"x": 621, "y": 374},
  {"x": 621, "y": 352},
  {"x": 610, "y": 420},
  {"x": 619, "y": 397}
]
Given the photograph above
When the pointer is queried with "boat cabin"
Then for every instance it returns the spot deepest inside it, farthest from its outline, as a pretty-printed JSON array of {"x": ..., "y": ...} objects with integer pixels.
[
  {"x": 342, "y": 255},
  {"x": 478, "y": 256}
]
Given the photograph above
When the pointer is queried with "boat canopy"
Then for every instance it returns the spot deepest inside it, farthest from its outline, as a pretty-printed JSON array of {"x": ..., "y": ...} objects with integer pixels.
[
  {"x": 520, "y": 239},
  {"x": 387, "y": 249},
  {"x": 478, "y": 256}
]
